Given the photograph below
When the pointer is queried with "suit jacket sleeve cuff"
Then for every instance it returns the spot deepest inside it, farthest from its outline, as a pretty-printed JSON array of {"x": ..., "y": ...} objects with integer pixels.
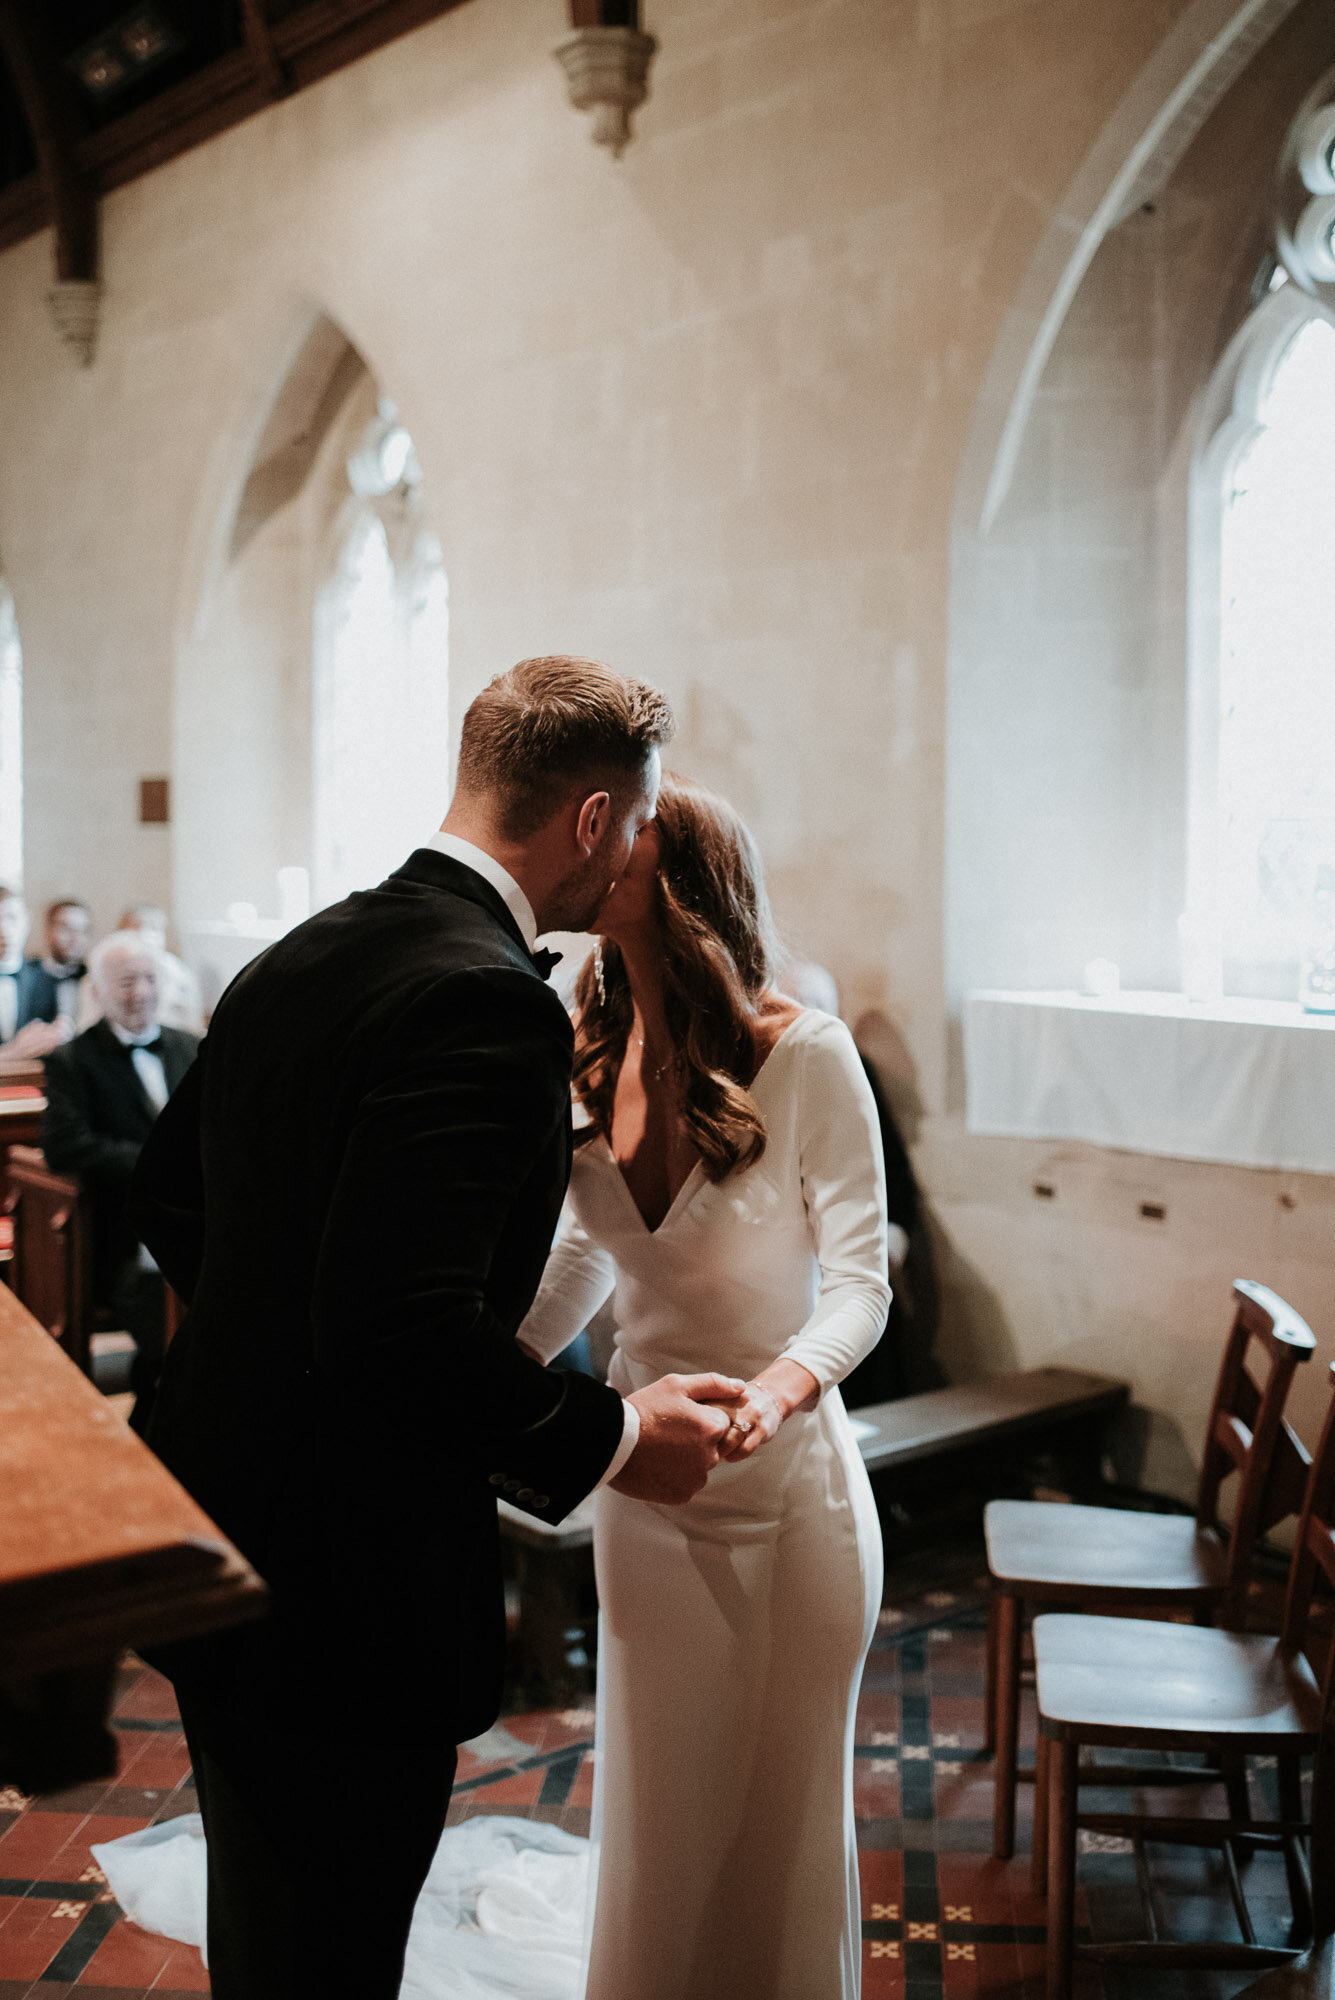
[{"x": 630, "y": 1437}]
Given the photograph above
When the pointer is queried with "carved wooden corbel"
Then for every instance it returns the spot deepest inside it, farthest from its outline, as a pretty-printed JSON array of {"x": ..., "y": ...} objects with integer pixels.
[
  {"x": 53, "y": 120},
  {"x": 270, "y": 71},
  {"x": 606, "y": 59}
]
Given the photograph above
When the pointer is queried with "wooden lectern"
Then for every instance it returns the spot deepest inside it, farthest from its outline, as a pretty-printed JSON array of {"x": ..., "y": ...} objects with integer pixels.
[{"x": 100, "y": 1549}]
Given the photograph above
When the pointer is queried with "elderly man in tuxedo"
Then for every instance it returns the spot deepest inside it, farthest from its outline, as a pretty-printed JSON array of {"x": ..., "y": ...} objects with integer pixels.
[
  {"x": 104, "y": 1091},
  {"x": 179, "y": 1003}
]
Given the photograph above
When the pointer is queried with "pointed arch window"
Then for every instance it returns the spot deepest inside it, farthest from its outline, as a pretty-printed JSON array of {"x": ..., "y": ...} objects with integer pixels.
[
  {"x": 1262, "y": 844},
  {"x": 381, "y": 738}
]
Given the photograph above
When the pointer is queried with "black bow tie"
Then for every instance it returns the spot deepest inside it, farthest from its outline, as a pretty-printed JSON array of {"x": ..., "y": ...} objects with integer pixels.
[
  {"x": 153, "y": 1048},
  {"x": 545, "y": 962}
]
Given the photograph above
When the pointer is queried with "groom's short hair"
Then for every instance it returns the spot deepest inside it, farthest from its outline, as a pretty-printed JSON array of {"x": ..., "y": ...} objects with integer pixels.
[{"x": 549, "y": 725}]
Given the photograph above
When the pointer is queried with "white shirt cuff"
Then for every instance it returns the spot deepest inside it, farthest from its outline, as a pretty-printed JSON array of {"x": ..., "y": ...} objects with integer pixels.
[{"x": 630, "y": 1437}]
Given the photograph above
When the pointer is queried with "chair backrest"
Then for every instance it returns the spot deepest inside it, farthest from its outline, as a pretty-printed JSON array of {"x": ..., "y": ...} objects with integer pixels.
[
  {"x": 51, "y": 1251},
  {"x": 1313, "y": 1555},
  {"x": 1247, "y": 1433}
]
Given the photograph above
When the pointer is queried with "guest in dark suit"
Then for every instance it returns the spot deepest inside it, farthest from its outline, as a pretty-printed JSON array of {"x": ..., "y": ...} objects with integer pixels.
[
  {"x": 31, "y": 1020},
  {"x": 356, "y": 1190},
  {"x": 60, "y": 971},
  {"x": 104, "y": 1092}
]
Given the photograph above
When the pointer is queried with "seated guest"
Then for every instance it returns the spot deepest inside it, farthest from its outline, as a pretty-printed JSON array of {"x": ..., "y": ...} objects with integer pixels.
[
  {"x": 179, "y": 1003},
  {"x": 31, "y": 1021},
  {"x": 103, "y": 1093},
  {"x": 902, "y": 1362},
  {"x": 59, "y": 972}
]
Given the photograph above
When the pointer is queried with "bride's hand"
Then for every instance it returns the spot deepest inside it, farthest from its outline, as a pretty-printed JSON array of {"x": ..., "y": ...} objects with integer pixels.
[{"x": 770, "y": 1400}]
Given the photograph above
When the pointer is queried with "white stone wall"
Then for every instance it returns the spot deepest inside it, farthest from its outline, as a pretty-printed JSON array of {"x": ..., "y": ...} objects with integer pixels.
[{"x": 701, "y": 413}]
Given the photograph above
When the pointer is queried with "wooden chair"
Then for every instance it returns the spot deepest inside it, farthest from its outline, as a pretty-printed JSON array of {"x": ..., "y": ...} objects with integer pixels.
[
  {"x": 1115, "y": 1560},
  {"x": 1135, "y": 1684},
  {"x": 52, "y": 1252},
  {"x": 1311, "y": 1977}
]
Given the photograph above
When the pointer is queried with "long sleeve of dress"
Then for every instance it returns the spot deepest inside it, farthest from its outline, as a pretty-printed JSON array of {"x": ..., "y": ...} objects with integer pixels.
[
  {"x": 843, "y": 1187},
  {"x": 578, "y": 1280}
]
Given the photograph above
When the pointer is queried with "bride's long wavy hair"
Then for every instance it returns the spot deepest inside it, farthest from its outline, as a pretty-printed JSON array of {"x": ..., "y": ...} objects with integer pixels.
[{"x": 719, "y": 953}]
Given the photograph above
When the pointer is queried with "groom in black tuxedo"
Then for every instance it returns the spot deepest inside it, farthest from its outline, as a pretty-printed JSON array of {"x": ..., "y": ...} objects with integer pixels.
[{"x": 356, "y": 1189}]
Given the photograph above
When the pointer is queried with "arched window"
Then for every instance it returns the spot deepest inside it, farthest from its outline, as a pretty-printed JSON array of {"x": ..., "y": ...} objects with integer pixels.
[
  {"x": 381, "y": 673},
  {"x": 1262, "y": 846},
  {"x": 11, "y": 744}
]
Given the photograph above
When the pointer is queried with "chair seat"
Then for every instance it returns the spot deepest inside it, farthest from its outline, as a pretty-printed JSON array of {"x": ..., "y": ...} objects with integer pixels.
[
  {"x": 1102, "y": 1680},
  {"x": 1311, "y": 1977},
  {"x": 1085, "y": 1550}
]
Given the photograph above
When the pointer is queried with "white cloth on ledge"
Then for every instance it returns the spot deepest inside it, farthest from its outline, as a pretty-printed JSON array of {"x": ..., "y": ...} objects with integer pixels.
[{"x": 1245, "y": 1082}]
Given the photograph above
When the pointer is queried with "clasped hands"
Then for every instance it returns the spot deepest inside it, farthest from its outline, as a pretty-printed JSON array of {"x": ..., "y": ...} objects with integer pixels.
[{"x": 689, "y": 1423}]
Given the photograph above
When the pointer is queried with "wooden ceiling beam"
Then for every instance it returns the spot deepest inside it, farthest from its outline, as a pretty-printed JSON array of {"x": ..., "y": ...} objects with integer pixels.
[
  {"x": 604, "y": 13},
  {"x": 320, "y": 38},
  {"x": 270, "y": 74},
  {"x": 53, "y": 120}
]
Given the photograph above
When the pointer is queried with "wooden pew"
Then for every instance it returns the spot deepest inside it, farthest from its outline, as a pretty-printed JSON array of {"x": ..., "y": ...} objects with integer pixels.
[
  {"x": 100, "y": 1549},
  {"x": 914, "y": 1443},
  {"x": 52, "y": 1251},
  {"x": 21, "y": 1106},
  {"x": 924, "y": 1440}
]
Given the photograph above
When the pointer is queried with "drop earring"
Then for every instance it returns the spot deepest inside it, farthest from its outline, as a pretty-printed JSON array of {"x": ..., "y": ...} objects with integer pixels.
[{"x": 598, "y": 979}]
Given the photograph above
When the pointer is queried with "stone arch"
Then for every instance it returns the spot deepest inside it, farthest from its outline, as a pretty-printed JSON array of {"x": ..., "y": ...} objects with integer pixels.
[
  {"x": 241, "y": 762},
  {"x": 1067, "y": 684}
]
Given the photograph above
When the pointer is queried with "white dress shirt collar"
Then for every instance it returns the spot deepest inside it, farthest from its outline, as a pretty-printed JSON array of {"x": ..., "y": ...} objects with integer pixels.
[{"x": 489, "y": 868}]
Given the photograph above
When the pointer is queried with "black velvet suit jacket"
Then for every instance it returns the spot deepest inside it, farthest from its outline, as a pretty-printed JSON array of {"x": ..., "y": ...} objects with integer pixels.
[
  {"x": 96, "y": 1120},
  {"x": 356, "y": 1190}
]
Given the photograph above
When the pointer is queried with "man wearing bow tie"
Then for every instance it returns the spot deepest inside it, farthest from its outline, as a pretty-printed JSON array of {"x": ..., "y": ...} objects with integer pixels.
[{"x": 104, "y": 1091}]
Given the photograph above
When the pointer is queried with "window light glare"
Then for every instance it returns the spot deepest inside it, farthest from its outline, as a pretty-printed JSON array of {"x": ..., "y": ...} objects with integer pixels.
[{"x": 1277, "y": 688}]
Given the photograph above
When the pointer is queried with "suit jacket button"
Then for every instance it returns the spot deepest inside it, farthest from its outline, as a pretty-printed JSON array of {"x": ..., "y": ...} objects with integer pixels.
[
  {"x": 542, "y": 1499},
  {"x": 496, "y": 1479},
  {"x": 512, "y": 1486},
  {"x": 524, "y": 1493}
]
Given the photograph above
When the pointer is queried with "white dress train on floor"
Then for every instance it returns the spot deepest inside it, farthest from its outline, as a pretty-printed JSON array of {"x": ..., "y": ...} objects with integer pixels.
[{"x": 732, "y": 1631}]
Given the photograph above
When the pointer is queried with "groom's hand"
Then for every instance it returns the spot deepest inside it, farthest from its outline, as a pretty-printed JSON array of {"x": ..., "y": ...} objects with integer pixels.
[{"x": 680, "y": 1435}]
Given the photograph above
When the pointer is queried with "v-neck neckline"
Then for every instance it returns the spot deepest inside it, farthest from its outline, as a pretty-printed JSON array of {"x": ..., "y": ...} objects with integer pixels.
[{"x": 686, "y": 1192}]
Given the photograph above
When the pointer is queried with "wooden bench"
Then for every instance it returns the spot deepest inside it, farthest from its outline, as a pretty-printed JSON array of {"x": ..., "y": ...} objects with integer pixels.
[
  {"x": 21, "y": 1106},
  {"x": 100, "y": 1549},
  {"x": 917, "y": 1442},
  {"x": 52, "y": 1245},
  {"x": 923, "y": 1441}
]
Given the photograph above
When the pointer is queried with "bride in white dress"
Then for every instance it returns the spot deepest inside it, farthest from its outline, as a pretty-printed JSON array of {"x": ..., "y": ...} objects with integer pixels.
[{"x": 729, "y": 1192}]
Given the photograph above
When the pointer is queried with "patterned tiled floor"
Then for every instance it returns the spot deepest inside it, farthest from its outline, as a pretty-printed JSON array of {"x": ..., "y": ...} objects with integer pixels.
[{"x": 941, "y": 1919}]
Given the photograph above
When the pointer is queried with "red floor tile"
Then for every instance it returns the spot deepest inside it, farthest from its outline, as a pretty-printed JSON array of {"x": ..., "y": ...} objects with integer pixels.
[
  {"x": 32, "y": 1934},
  {"x": 34, "y": 1840},
  {"x": 129, "y": 1957},
  {"x": 521, "y": 1789}
]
